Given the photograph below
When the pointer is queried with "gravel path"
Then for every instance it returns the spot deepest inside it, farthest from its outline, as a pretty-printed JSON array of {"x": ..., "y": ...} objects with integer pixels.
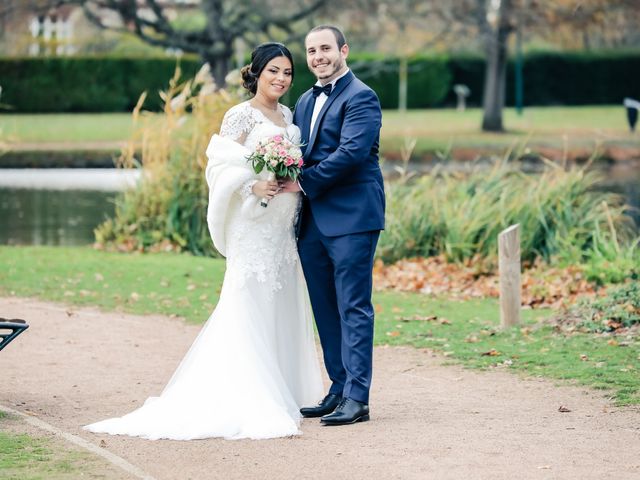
[{"x": 78, "y": 365}]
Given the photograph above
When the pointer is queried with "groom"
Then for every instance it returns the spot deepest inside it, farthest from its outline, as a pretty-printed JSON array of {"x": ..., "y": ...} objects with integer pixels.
[{"x": 341, "y": 218}]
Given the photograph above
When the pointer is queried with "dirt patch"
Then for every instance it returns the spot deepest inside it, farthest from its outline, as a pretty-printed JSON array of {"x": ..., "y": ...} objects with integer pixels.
[{"x": 75, "y": 366}]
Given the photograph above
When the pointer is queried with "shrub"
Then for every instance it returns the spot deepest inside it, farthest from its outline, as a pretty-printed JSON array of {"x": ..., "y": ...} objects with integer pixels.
[
  {"x": 167, "y": 209},
  {"x": 110, "y": 84},
  {"x": 85, "y": 84},
  {"x": 562, "y": 217}
]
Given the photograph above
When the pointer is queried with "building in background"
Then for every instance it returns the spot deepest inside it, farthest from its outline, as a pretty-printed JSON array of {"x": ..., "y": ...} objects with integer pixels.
[{"x": 38, "y": 28}]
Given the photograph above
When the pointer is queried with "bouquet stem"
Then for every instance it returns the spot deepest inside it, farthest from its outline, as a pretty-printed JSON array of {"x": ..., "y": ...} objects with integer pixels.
[{"x": 265, "y": 201}]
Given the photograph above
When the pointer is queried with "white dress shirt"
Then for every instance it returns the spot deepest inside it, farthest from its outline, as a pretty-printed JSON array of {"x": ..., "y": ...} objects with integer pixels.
[{"x": 321, "y": 100}]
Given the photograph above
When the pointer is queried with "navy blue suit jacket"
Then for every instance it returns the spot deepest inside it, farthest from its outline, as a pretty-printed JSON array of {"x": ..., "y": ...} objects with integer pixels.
[{"x": 341, "y": 177}]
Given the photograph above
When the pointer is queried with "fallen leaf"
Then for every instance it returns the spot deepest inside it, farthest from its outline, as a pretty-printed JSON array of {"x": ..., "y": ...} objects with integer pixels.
[
  {"x": 584, "y": 358},
  {"x": 491, "y": 353},
  {"x": 418, "y": 318},
  {"x": 564, "y": 409},
  {"x": 394, "y": 333},
  {"x": 542, "y": 285}
]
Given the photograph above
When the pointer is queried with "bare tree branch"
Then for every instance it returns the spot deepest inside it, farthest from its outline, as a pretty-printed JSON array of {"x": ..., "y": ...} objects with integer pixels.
[{"x": 226, "y": 21}]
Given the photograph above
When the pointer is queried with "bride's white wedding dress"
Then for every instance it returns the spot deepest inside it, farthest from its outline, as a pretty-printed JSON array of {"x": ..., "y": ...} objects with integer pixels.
[{"x": 254, "y": 363}]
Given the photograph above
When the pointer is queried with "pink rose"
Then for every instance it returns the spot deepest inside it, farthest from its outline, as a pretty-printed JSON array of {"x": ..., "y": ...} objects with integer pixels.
[{"x": 300, "y": 163}]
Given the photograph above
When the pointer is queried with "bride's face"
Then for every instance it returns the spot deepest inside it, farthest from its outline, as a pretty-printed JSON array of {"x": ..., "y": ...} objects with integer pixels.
[{"x": 275, "y": 79}]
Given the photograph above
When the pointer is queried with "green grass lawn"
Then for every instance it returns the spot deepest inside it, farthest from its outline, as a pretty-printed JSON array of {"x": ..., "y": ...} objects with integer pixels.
[
  {"x": 435, "y": 129},
  {"x": 464, "y": 332},
  {"x": 23, "y": 457},
  {"x": 65, "y": 128},
  {"x": 541, "y": 126}
]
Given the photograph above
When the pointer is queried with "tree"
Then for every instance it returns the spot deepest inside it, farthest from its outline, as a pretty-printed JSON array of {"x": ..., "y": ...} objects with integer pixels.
[
  {"x": 496, "y": 27},
  {"x": 494, "y": 21},
  {"x": 404, "y": 28},
  {"x": 225, "y": 22}
]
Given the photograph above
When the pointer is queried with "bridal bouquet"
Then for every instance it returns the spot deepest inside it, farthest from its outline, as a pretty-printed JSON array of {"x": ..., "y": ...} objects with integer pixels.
[{"x": 280, "y": 156}]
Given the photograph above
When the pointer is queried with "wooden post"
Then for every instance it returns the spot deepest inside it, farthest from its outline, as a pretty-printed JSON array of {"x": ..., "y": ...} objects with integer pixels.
[{"x": 509, "y": 267}]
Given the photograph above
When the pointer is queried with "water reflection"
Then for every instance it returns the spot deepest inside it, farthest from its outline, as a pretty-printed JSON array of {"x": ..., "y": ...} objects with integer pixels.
[{"x": 52, "y": 217}]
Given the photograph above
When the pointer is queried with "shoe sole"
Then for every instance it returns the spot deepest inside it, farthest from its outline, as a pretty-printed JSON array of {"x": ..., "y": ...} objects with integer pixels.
[
  {"x": 314, "y": 415},
  {"x": 364, "y": 418}
]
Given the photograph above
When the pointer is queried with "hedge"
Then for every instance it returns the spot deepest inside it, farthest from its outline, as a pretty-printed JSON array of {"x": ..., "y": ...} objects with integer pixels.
[
  {"x": 110, "y": 84},
  {"x": 558, "y": 78},
  {"x": 89, "y": 84}
]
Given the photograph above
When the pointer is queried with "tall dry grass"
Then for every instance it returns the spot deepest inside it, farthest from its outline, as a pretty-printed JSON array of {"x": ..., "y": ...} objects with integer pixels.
[
  {"x": 562, "y": 215},
  {"x": 167, "y": 210}
]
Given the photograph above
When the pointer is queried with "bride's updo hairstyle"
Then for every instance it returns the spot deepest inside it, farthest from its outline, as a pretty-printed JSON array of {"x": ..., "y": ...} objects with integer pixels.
[{"x": 260, "y": 56}]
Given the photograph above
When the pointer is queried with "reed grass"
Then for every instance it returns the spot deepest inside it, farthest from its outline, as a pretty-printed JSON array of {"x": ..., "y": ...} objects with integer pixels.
[
  {"x": 562, "y": 215},
  {"x": 167, "y": 211}
]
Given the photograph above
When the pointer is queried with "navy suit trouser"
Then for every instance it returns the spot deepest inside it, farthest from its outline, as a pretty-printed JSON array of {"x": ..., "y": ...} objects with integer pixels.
[{"x": 338, "y": 271}]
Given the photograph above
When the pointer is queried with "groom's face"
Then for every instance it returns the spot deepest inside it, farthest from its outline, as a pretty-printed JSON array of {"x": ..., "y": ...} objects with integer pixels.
[{"x": 325, "y": 60}]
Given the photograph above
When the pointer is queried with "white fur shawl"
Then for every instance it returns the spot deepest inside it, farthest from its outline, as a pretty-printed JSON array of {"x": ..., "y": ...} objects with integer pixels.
[{"x": 227, "y": 169}]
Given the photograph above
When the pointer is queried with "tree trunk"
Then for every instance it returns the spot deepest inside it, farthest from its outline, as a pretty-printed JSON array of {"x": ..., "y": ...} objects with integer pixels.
[
  {"x": 402, "y": 84},
  {"x": 219, "y": 67},
  {"x": 496, "y": 71}
]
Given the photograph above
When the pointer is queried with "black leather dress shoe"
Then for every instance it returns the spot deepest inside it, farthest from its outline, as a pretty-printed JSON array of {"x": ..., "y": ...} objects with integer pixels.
[
  {"x": 349, "y": 411},
  {"x": 327, "y": 405}
]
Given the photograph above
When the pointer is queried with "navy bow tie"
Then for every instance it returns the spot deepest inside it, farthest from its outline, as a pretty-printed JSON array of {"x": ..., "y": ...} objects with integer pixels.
[{"x": 317, "y": 90}]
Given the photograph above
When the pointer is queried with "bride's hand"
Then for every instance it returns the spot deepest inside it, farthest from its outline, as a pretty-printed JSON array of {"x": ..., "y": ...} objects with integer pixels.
[{"x": 265, "y": 189}]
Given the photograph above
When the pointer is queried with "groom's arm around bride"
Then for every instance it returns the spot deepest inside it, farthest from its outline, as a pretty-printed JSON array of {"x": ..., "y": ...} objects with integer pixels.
[{"x": 341, "y": 218}]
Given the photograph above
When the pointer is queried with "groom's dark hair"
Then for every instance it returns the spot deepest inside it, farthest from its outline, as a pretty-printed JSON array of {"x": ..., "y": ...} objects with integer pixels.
[{"x": 340, "y": 38}]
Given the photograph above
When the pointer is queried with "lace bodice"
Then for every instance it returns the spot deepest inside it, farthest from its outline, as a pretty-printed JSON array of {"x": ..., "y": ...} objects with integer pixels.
[
  {"x": 249, "y": 125},
  {"x": 258, "y": 247}
]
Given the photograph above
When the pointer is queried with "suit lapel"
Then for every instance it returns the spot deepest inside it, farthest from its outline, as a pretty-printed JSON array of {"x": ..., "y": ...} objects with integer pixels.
[
  {"x": 307, "y": 113},
  {"x": 337, "y": 90}
]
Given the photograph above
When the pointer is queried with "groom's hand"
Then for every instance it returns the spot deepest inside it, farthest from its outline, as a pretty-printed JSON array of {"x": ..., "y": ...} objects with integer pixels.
[{"x": 289, "y": 186}]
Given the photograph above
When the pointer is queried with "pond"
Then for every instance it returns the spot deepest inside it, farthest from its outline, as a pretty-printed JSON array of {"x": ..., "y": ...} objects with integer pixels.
[
  {"x": 63, "y": 206},
  {"x": 52, "y": 217},
  {"x": 57, "y": 207}
]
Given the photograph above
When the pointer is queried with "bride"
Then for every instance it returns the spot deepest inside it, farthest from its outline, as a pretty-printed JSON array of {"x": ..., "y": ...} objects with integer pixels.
[{"x": 254, "y": 363}]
